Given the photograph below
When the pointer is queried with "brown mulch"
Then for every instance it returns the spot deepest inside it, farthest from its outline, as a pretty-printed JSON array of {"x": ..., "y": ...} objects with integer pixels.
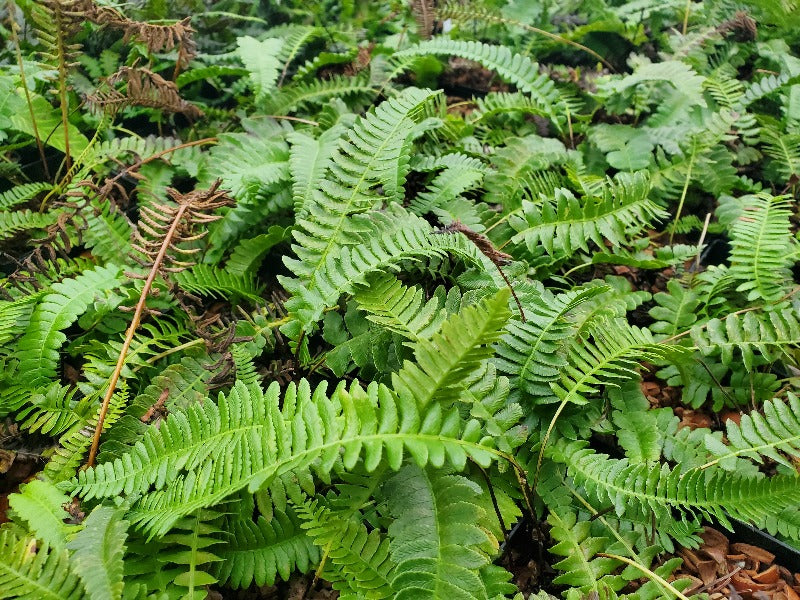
[{"x": 736, "y": 571}]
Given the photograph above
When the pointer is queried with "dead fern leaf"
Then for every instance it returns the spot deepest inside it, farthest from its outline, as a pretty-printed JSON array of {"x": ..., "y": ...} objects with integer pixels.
[{"x": 424, "y": 12}]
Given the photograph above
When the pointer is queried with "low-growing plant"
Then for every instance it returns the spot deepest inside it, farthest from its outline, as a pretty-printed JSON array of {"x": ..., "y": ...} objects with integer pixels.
[{"x": 352, "y": 289}]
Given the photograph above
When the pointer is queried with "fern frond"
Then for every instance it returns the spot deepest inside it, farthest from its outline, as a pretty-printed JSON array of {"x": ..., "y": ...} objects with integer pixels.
[
  {"x": 203, "y": 454},
  {"x": 360, "y": 558},
  {"x": 784, "y": 149},
  {"x": 260, "y": 58},
  {"x": 461, "y": 173},
  {"x": 38, "y": 349},
  {"x": 612, "y": 357},
  {"x": 41, "y": 506},
  {"x": 248, "y": 254},
  {"x": 398, "y": 308},
  {"x": 675, "y": 311},
  {"x": 214, "y": 282},
  {"x": 22, "y": 193},
  {"x": 309, "y": 159},
  {"x": 293, "y": 97},
  {"x": 566, "y": 224},
  {"x": 762, "y": 251},
  {"x": 29, "y": 572},
  {"x": 453, "y": 353},
  {"x": 13, "y": 222},
  {"x": 775, "y": 434},
  {"x": 514, "y": 68},
  {"x": 768, "y": 503},
  {"x": 97, "y": 551},
  {"x": 260, "y": 551},
  {"x": 438, "y": 538},
  {"x": 532, "y": 352}
]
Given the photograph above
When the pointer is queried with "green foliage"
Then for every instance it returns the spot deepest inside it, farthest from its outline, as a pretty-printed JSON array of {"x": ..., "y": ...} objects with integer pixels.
[{"x": 440, "y": 286}]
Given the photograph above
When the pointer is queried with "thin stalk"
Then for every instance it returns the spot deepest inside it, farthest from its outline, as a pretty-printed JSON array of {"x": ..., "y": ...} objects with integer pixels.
[
  {"x": 683, "y": 194},
  {"x": 137, "y": 317},
  {"x": 23, "y": 81},
  {"x": 650, "y": 574}
]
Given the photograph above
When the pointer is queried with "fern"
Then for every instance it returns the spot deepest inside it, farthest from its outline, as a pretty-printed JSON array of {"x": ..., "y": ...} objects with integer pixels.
[
  {"x": 438, "y": 540},
  {"x": 260, "y": 58},
  {"x": 196, "y": 440},
  {"x": 41, "y": 574},
  {"x": 21, "y": 193},
  {"x": 260, "y": 551},
  {"x": 97, "y": 551},
  {"x": 772, "y": 435},
  {"x": 452, "y": 354},
  {"x": 514, "y": 68},
  {"x": 12, "y": 223},
  {"x": 762, "y": 252},
  {"x": 658, "y": 489},
  {"x": 361, "y": 566},
  {"x": 767, "y": 334},
  {"x": 567, "y": 224},
  {"x": 398, "y": 308},
  {"x": 39, "y": 346},
  {"x": 209, "y": 281}
]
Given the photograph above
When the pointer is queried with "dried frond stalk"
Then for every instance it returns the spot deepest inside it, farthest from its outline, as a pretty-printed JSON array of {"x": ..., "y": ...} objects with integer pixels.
[
  {"x": 424, "y": 12},
  {"x": 143, "y": 88},
  {"x": 158, "y": 38},
  {"x": 165, "y": 228}
]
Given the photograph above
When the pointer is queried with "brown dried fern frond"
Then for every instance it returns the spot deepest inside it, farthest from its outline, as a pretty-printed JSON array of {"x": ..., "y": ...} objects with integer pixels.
[
  {"x": 424, "y": 12},
  {"x": 157, "y": 37},
  {"x": 163, "y": 229},
  {"x": 143, "y": 87}
]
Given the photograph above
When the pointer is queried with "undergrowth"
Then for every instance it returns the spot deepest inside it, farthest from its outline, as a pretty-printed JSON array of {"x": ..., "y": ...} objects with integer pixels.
[{"x": 350, "y": 289}]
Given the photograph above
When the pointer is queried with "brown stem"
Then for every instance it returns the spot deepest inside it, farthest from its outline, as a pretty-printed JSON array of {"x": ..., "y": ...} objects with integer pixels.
[{"x": 137, "y": 317}]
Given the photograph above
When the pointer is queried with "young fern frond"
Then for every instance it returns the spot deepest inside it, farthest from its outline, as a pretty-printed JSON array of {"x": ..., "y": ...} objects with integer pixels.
[
  {"x": 298, "y": 95},
  {"x": 205, "y": 280},
  {"x": 309, "y": 160},
  {"x": 762, "y": 251}
]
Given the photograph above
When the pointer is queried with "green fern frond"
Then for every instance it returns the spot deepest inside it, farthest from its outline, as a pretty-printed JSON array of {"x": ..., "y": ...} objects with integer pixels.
[
  {"x": 762, "y": 251},
  {"x": 50, "y": 411},
  {"x": 514, "y": 68},
  {"x": 191, "y": 538},
  {"x": 260, "y": 551},
  {"x": 532, "y": 352},
  {"x": 612, "y": 357},
  {"x": 775, "y": 434},
  {"x": 38, "y": 349},
  {"x": 22, "y": 193},
  {"x": 108, "y": 232},
  {"x": 248, "y": 254},
  {"x": 292, "y": 97},
  {"x": 13, "y": 222},
  {"x": 399, "y": 308},
  {"x": 214, "y": 282},
  {"x": 15, "y": 317},
  {"x": 566, "y": 224},
  {"x": 207, "y": 452},
  {"x": 784, "y": 149},
  {"x": 378, "y": 241},
  {"x": 360, "y": 559},
  {"x": 41, "y": 506},
  {"x": 97, "y": 550},
  {"x": 461, "y": 173},
  {"x": 438, "y": 538},
  {"x": 453, "y": 353},
  {"x": 768, "y": 503},
  {"x": 260, "y": 58},
  {"x": 309, "y": 159},
  {"x": 676, "y": 309},
  {"x": 32, "y": 572}
]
